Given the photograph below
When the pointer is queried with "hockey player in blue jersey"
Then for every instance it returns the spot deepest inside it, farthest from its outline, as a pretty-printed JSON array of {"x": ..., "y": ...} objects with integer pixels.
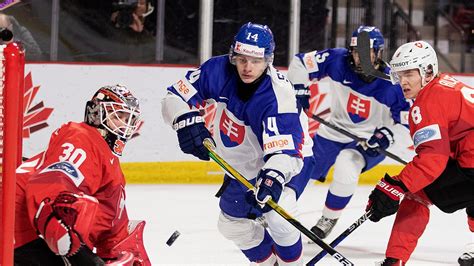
[
  {"x": 258, "y": 130},
  {"x": 366, "y": 106}
]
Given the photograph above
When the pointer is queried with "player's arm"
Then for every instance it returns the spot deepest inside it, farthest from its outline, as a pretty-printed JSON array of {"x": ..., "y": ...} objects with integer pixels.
[
  {"x": 299, "y": 76},
  {"x": 306, "y": 68},
  {"x": 383, "y": 137},
  {"x": 190, "y": 92},
  {"x": 431, "y": 141},
  {"x": 179, "y": 109},
  {"x": 282, "y": 141},
  {"x": 429, "y": 123}
]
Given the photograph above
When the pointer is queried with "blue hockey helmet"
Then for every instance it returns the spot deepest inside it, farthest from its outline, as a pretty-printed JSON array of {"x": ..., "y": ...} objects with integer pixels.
[
  {"x": 254, "y": 40},
  {"x": 376, "y": 38}
]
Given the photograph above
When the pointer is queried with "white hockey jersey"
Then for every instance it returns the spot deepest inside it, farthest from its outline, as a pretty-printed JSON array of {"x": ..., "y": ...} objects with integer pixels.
[
  {"x": 357, "y": 106},
  {"x": 246, "y": 132}
]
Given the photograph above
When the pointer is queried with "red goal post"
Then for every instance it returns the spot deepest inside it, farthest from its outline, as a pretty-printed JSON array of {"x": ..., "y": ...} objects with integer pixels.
[{"x": 12, "y": 60}]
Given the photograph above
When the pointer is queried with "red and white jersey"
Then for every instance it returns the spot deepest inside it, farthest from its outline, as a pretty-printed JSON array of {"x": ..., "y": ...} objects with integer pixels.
[
  {"x": 442, "y": 127},
  {"x": 77, "y": 159}
]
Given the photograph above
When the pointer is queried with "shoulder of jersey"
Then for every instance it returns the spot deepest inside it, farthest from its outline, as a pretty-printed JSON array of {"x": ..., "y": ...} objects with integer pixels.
[
  {"x": 283, "y": 90},
  {"x": 80, "y": 132},
  {"x": 216, "y": 61},
  {"x": 312, "y": 59}
]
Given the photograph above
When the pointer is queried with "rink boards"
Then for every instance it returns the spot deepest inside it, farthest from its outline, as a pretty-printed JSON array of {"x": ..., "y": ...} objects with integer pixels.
[
  {"x": 210, "y": 173},
  {"x": 154, "y": 156}
]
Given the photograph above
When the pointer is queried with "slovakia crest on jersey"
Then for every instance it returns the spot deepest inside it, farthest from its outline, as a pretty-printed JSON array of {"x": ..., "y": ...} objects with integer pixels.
[
  {"x": 358, "y": 108},
  {"x": 232, "y": 133}
]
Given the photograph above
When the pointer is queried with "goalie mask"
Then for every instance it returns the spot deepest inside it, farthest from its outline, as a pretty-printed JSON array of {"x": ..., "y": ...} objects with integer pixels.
[
  {"x": 116, "y": 113},
  {"x": 376, "y": 43}
]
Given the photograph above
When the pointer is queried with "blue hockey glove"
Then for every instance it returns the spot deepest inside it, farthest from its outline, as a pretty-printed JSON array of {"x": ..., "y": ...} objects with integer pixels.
[
  {"x": 385, "y": 198},
  {"x": 302, "y": 95},
  {"x": 382, "y": 138},
  {"x": 269, "y": 186},
  {"x": 191, "y": 133}
]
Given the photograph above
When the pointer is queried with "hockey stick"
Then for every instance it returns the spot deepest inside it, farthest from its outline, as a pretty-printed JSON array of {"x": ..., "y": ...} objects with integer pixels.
[
  {"x": 363, "y": 48},
  {"x": 341, "y": 237},
  {"x": 360, "y": 140},
  {"x": 234, "y": 173}
]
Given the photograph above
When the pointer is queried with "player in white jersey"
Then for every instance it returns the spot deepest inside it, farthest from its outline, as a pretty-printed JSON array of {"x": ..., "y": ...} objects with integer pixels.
[
  {"x": 366, "y": 106},
  {"x": 259, "y": 130}
]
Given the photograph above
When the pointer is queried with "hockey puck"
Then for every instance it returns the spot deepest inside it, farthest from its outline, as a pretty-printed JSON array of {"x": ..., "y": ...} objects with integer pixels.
[{"x": 172, "y": 238}]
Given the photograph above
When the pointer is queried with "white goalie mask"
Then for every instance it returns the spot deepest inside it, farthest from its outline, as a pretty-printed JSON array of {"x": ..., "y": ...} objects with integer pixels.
[
  {"x": 414, "y": 55},
  {"x": 115, "y": 111}
]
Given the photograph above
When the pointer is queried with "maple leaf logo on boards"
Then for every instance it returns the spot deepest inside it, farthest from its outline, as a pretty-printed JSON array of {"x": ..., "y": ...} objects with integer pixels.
[
  {"x": 209, "y": 114},
  {"x": 316, "y": 100},
  {"x": 35, "y": 116}
]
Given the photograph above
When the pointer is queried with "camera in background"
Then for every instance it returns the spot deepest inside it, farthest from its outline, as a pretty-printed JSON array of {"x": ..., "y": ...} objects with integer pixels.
[{"x": 123, "y": 12}]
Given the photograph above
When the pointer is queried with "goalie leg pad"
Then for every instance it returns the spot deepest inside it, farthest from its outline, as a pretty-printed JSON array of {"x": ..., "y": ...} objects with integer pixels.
[
  {"x": 133, "y": 244},
  {"x": 125, "y": 259}
]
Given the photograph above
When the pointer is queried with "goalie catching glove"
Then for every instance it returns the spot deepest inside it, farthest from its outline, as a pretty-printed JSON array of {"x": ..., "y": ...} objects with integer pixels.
[
  {"x": 385, "y": 198},
  {"x": 191, "y": 133},
  {"x": 65, "y": 222}
]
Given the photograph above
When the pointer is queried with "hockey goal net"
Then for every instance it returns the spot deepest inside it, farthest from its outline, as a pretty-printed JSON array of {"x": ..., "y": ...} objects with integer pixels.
[{"x": 12, "y": 60}]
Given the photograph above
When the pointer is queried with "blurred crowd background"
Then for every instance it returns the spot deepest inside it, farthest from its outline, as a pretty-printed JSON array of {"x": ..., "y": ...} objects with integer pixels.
[{"x": 171, "y": 32}]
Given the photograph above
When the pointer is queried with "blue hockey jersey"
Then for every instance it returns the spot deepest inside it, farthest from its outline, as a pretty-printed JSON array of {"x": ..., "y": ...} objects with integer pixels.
[
  {"x": 247, "y": 132},
  {"x": 356, "y": 105}
]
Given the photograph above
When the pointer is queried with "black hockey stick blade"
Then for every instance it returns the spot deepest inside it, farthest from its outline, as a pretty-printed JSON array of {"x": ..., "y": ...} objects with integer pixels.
[
  {"x": 360, "y": 140},
  {"x": 363, "y": 48},
  {"x": 277, "y": 208},
  {"x": 341, "y": 237}
]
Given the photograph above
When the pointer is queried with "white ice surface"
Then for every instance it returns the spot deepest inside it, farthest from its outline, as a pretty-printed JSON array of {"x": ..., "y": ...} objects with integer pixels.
[{"x": 193, "y": 211}]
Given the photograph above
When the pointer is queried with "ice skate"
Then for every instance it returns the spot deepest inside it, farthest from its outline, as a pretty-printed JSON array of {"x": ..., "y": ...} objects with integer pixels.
[
  {"x": 467, "y": 258},
  {"x": 324, "y": 227}
]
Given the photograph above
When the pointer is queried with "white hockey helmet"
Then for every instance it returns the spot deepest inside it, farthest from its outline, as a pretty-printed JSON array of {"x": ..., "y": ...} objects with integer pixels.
[{"x": 414, "y": 55}]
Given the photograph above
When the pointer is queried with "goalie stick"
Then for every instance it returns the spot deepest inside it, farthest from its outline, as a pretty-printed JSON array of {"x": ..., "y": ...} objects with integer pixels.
[
  {"x": 234, "y": 173},
  {"x": 341, "y": 237},
  {"x": 356, "y": 138},
  {"x": 363, "y": 48}
]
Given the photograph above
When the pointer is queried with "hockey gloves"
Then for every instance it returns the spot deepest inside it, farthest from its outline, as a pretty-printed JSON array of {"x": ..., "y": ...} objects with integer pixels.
[
  {"x": 65, "y": 223},
  {"x": 303, "y": 95},
  {"x": 191, "y": 133},
  {"x": 269, "y": 186},
  {"x": 382, "y": 139},
  {"x": 385, "y": 198}
]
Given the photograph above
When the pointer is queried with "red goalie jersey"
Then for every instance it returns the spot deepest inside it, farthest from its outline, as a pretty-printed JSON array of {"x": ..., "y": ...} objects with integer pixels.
[
  {"x": 442, "y": 127},
  {"x": 78, "y": 159}
]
